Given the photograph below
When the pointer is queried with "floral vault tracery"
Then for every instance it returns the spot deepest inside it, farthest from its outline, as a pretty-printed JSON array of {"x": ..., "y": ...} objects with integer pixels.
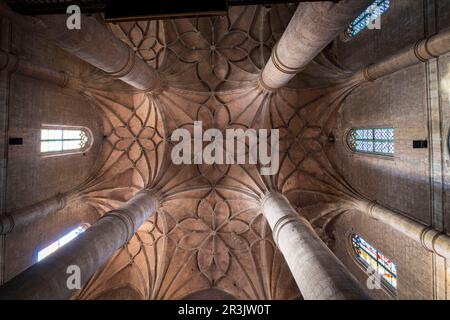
[{"x": 209, "y": 231}]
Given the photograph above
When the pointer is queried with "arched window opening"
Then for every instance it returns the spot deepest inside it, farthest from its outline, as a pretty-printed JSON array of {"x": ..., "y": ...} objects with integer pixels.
[
  {"x": 373, "y": 12},
  {"x": 370, "y": 257},
  {"x": 372, "y": 140},
  {"x": 56, "y": 140},
  {"x": 65, "y": 239}
]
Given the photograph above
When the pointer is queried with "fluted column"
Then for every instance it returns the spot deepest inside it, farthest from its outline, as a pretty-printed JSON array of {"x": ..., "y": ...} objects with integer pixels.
[
  {"x": 422, "y": 51},
  {"x": 431, "y": 239},
  {"x": 26, "y": 216},
  {"x": 89, "y": 251},
  {"x": 317, "y": 271},
  {"x": 313, "y": 26}
]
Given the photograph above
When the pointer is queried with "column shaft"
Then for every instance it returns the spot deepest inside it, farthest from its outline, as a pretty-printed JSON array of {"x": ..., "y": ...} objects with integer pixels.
[
  {"x": 95, "y": 44},
  {"x": 12, "y": 63},
  {"x": 317, "y": 271},
  {"x": 26, "y": 216},
  {"x": 431, "y": 239},
  {"x": 422, "y": 51},
  {"x": 313, "y": 26},
  {"x": 89, "y": 251}
]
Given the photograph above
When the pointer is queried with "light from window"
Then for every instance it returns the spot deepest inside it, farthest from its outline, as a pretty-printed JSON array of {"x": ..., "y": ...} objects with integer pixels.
[
  {"x": 369, "y": 256},
  {"x": 370, "y": 14},
  {"x": 61, "y": 140},
  {"x": 42, "y": 254},
  {"x": 372, "y": 140}
]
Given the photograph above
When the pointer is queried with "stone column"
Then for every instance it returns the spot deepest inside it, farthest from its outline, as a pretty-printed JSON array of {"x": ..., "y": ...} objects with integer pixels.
[
  {"x": 26, "y": 216},
  {"x": 89, "y": 251},
  {"x": 93, "y": 43},
  {"x": 11, "y": 63},
  {"x": 313, "y": 26},
  {"x": 431, "y": 239},
  {"x": 317, "y": 271},
  {"x": 422, "y": 51}
]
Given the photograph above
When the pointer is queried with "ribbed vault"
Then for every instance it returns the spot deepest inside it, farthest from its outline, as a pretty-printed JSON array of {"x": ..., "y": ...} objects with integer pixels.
[{"x": 209, "y": 231}]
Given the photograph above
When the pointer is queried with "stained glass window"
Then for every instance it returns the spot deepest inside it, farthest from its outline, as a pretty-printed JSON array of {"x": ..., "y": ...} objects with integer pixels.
[
  {"x": 42, "y": 254},
  {"x": 370, "y": 14},
  {"x": 372, "y": 140},
  {"x": 369, "y": 256},
  {"x": 63, "y": 140}
]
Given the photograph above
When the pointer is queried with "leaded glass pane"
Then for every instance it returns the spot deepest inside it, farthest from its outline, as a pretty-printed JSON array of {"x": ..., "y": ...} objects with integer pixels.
[
  {"x": 44, "y": 146},
  {"x": 372, "y": 140},
  {"x": 72, "y": 134},
  {"x": 364, "y": 134},
  {"x": 51, "y": 134},
  {"x": 61, "y": 242},
  {"x": 51, "y": 146},
  {"x": 71, "y": 144},
  {"x": 57, "y": 140},
  {"x": 366, "y": 146},
  {"x": 382, "y": 147},
  {"x": 372, "y": 13},
  {"x": 48, "y": 251},
  {"x": 384, "y": 134},
  {"x": 370, "y": 256}
]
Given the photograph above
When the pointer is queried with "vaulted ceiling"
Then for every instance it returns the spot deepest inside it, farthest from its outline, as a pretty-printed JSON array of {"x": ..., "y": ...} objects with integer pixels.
[{"x": 209, "y": 231}]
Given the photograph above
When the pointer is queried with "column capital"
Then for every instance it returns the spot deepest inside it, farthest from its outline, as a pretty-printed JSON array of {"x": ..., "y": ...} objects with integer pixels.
[
  {"x": 312, "y": 27},
  {"x": 264, "y": 86},
  {"x": 269, "y": 195},
  {"x": 155, "y": 195},
  {"x": 435, "y": 242},
  {"x": 6, "y": 224},
  {"x": 132, "y": 214},
  {"x": 422, "y": 51},
  {"x": 282, "y": 67},
  {"x": 8, "y": 61},
  {"x": 431, "y": 239}
]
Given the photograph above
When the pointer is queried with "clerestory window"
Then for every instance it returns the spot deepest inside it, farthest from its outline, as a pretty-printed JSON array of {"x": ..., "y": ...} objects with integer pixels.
[
  {"x": 65, "y": 239},
  {"x": 372, "y": 140},
  {"x": 60, "y": 140}
]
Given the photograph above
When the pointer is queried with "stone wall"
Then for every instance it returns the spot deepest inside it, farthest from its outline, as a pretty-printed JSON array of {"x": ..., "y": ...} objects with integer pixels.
[
  {"x": 414, "y": 263},
  {"x": 415, "y": 102},
  {"x": 406, "y": 22},
  {"x": 31, "y": 178},
  {"x": 22, "y": 246},
  {"x": 391, "y": 181}
]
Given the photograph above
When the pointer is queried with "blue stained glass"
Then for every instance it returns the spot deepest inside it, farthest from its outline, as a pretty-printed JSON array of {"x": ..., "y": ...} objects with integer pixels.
[
  {"x": 372, "y": 140},
  {"x": 373, "y": 12},
  {"x": 364, "y": 146},
  {"x": 364, "y": 134},
  {"x": 381, "y": 147},
  {"x": 369, "y": 256},
  {"x": 384, "y": 134}
]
